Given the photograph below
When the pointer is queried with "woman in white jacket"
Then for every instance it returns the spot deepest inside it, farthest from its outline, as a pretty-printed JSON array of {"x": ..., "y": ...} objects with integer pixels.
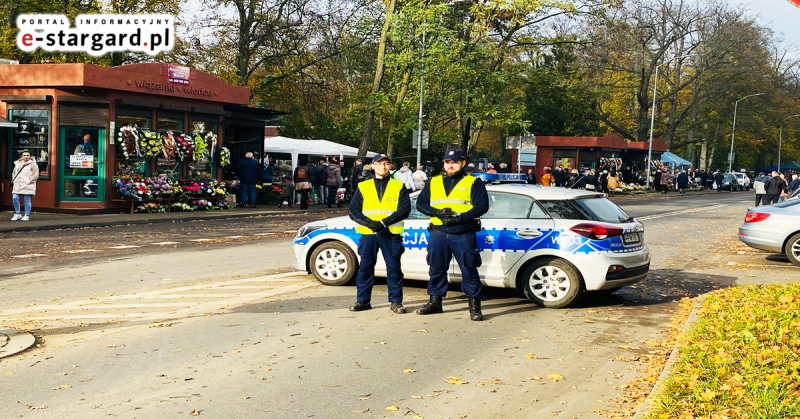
[{"x": 24, "y": 176}]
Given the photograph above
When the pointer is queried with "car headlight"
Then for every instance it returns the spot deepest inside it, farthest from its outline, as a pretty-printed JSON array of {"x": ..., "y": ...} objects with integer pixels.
[{"x": 308, "y": 228}]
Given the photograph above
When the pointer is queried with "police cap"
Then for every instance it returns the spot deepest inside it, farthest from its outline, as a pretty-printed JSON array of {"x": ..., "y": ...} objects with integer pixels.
[
  {"x": 454, "y": 155},
  {"x": 379, "y": 157}
]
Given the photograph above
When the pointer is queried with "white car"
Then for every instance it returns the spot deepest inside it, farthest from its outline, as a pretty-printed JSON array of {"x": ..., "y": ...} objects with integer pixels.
[
  {"x": 742, "y": 180},
  {"x": 550, "y": 243}
]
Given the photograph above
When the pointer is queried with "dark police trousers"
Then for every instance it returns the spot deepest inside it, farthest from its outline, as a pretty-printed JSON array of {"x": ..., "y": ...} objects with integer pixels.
[
  {"x": 442, "y": 247},
  {"x": 392, "y": 249}
]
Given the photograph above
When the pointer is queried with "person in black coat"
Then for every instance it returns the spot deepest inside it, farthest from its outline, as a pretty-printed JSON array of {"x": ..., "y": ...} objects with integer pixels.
[
  {"x": 299, "y": 180},
  {"x": 774, "y": 186},
  {"x": 558, "y": 176},
  {"x": 249, "y": 173},
  {"x": 530, "y": 177},
  {"x": 346, "y": 180},
  {"x": 322, "y": 177}
]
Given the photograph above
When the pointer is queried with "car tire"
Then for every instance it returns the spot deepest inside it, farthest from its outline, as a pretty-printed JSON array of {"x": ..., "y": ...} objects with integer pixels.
[
  {"x": 551, "y": 283},
  {"x": 333, "y": 263},
  {"x": 792, "y": 249}
]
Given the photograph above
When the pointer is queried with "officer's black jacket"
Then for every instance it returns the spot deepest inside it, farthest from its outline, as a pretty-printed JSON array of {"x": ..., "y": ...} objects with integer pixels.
[
  {"x": 466, "y": 221},
  {"x": 403, "y": 204}
]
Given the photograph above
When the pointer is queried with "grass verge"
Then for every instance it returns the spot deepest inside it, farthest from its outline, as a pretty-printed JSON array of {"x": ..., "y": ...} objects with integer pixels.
[{"x": 740, "y": 360}]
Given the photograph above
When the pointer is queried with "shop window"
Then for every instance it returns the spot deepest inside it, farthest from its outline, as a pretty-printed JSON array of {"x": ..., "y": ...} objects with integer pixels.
[
  {"x": 169, "y": 122},
  {"x": 32, "y": 134},
  {"x": 200, "y": 127}
]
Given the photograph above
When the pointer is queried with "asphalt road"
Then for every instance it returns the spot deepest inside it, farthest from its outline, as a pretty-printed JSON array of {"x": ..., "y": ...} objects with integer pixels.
[{"x": 225, "y": 326}]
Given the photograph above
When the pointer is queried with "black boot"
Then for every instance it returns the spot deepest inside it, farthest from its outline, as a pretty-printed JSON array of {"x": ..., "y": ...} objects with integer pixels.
[
  {"x": 475, "y": 309},
  {"x": 432, "y": 306},
  {"x": 361, "y": 306}
]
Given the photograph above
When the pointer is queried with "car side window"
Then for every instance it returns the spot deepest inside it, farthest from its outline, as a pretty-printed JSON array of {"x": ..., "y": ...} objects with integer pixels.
[
  {"x": 416, "y": 215},
  {"x": 537, "y": 212},
  {"x": 507, "y": 205},
  {"x": 565, "y": 210}
]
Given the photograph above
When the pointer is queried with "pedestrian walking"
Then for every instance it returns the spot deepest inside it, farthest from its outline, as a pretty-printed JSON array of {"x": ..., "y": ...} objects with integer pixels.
[
  {"x": 455, "y": 202},
  {"x": 287, "y": 191},
  {"x": 355, "y": 176},
  {"x": 23, "y": 184},
  {"x": 404, "y": 175},
  {"x": 774, "y": 187},
  {"x": 612, "y": 182},
  {"x": 758, "y": 185},
  {"x": 530, "y": 177},
  {"x": 718, "y": 178},
  {"x": 420, "y": 177},
  {"x": 249, "y": 173},
  {"x": 333, "y": 179},
  {"x": 346, "y": 180},
  {"x": 322, "y": 178},
  {"x": 682, "y": 181},
  {"x": 558, "y": 176},
  {"x": 666, "y": 180},
  {"x": 303, "y": 184},
  {"x": 379, "y": 207},
  {"x": 795, "y": 184}
]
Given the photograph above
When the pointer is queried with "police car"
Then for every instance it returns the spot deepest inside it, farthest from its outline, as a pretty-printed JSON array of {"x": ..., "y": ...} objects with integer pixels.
[{"x": 551, "y": 244}]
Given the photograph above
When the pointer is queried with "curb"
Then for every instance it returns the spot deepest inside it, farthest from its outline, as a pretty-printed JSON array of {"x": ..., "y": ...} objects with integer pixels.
[
  {"x": 14, "y": 341},
  {"x": 113, "y": 223},
  {"x": 673, "y": 357}
]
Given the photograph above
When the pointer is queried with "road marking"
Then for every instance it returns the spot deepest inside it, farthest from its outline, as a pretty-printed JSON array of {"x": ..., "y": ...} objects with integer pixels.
[
  {"x": 687, "y": 211},
  {"x": 31, "y": 255},
  {"x": 165, "y": 243},
  {"x": 79, "y": 251},
  {"x": 129, "y": 246}
]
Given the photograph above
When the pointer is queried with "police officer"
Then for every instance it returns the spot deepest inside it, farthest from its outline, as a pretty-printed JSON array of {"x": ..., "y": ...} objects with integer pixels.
[
  {"x": 379, "y": 207},
  {"x": 454, "y": 201}
]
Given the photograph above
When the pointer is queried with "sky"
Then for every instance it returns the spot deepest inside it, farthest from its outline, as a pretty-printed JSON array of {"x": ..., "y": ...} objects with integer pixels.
[{"x": 780, "y": 15}]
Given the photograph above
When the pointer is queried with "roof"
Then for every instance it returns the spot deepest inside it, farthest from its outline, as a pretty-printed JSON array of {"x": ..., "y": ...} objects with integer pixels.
[
  {"x": 542, "y": 192},
  {"x": 668, "y": 157},
  {"x": 608, "y": 141},
  {"x": 281, "y": 144},
  {"x": 5, "y": 123}
]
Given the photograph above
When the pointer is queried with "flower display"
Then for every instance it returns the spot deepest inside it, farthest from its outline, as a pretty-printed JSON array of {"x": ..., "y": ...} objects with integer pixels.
[
  {"x": 224, "y": 156},
  {"x": 168, "y": 144},
  {"x": 223, "y": 204},
  {"x": 184, "y": 147},
  {"x": 199, "y": 147},
  {"x": 128, "y": 142},
  {"x": 151, "y": 207},
  {"x": 202, "y": 204},
  {"x": 182, "y": 207},
  {"x": 150, "y": 144},
  {"x": 211, "y": 142}
]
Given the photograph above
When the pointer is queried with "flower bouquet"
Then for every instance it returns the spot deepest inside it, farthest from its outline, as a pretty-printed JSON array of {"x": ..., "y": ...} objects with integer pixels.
[
  {"x": 150, "y": 144},
  {"x": 184, "y": 147},
  {"x": 211, "y": 142},
  {"x": 128, "y": 140},
  {"x": 199, "y": 147},
  {"x": 224, "y": 157},
  {"x": 160, "y": 187},
  {"x": 202, "y": 204},
  {"x": 150, "y": 208},
  {"x": 126, "y": 189},
  {"x": 223, "y": 204},
  {"x": 182, "y": 207},
  {"x": 190, "y": 187},
  {"x": 168, "y": 144},
  {"x": 210, "y": 187}
]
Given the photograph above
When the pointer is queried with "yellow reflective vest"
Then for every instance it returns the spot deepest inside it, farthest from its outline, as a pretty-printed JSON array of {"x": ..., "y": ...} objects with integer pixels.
[
  {"x": 459, "y": 200},
  {"x": 376, "y": 209}
]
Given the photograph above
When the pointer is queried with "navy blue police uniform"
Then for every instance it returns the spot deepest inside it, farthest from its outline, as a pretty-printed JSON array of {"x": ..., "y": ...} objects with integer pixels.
[
  {"x": 455, "y": 219},
  {"x": 380, "y": 223}
]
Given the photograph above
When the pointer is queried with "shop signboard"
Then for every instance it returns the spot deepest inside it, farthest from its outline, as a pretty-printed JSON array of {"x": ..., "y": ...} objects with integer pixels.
[
  {"x": 81, "y": 161},
  {"x": 178, "y": 74}
]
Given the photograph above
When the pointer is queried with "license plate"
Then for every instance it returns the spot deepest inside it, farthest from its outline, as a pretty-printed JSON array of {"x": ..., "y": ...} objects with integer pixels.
[{"x": 631, "y": 238}]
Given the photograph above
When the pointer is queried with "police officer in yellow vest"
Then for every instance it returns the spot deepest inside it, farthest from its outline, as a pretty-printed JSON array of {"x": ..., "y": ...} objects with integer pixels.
[
  {"x": 454, "y": 201},
  {"x": 379, "y": 207}
]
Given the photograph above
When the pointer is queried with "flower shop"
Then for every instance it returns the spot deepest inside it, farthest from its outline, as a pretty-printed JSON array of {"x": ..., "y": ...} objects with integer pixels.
[{"x": 151, "y": 137}]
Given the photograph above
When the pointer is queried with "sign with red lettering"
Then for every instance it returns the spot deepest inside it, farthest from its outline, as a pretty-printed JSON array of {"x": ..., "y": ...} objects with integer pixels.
[{"x": 178, "y": 74}]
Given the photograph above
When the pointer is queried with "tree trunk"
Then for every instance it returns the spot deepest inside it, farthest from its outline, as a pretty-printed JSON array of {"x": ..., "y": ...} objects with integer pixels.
[
  {"x": 366, "y": 138},
  {"x": 398, "y": 109},
  {"x": 465, "y": 136}
]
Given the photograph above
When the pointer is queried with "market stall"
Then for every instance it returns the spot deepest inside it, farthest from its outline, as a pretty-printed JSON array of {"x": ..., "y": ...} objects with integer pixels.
[{"x": 296, "y": 147}]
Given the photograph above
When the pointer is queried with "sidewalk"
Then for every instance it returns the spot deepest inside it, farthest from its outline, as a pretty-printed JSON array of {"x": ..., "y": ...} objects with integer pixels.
[
  {"x": 14, "y": 341},
  {"x": 41, "y": 221}
]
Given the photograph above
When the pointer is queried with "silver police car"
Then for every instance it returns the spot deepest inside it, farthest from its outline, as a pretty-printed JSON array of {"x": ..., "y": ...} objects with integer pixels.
[{"x": 551, "y": 244}]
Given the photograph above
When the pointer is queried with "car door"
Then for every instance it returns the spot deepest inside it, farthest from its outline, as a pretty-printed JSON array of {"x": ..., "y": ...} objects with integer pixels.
[
  {"x": 513, "y": 225},
  {"x": 414, "y": 261}
]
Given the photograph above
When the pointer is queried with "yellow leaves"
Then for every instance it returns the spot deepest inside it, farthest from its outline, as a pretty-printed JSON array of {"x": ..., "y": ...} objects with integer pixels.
[
  {"x": 707, "y": 395},
  {"x": 62, "y": 387},
  {"x": 531, "y": 356},
  {"x": 786, "y": 299},
  {"x": 555, "y": 377},
  {"x": 455, "y": 381},
  {"x": 194, "y": 412},
  {"x": 409, "y": 371},
  {"x": 157, "y": 324},
  {"x": 392, "y": 408}
]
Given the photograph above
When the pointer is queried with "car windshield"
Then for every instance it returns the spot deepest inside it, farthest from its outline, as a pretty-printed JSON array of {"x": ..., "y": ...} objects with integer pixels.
[{"x": 595, "y": 209}]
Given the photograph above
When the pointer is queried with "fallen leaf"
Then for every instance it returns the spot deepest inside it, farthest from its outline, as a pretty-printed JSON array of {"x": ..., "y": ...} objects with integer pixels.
[
  {"x": 37, "y": 407},
  {"x": 418, "y": 417},
  {"x": 392, "y": 408},
  {"x": 409, "y": 370},
  {"x": 455, "y": 380},
  {"x": 267, "y": 369},
  {"x": 235, "y": 351},
  {"x": 194, "y": 412},
  {"x": 416, "y": 397},
  {"x": 245, "y": 397},
  {"x": 531, "y": 356},
  {"x": 555, "y": 377},
  {"x": 423, "y": 330},
  {"x": 157, "y": 324},
  {"x": 535, "y": 378}
]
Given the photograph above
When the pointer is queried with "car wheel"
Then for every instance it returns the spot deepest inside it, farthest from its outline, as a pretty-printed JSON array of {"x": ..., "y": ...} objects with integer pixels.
[
  {"x": 551, "y": 283},
  {"x": 333, "y": 263},
  {"x": 792, "y": 249}
]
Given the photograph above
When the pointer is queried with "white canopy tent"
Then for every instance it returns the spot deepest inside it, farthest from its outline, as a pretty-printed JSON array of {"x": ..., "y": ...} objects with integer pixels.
[{"x": 297, "y": 147}]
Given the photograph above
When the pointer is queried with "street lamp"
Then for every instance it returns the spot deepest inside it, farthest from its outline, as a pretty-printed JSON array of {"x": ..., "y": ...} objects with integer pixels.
[
  {"x": 652, "y": 119},
  {"x": 780, "y": 139},
  {"x": 733, "y": 134}
]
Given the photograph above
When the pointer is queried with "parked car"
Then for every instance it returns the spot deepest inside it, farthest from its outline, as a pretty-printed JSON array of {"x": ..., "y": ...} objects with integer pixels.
[
  {"x": 531, "y": 236},
  {"x": 729, "y": 183},
  {"x": 743, "y": 182},
  {"x": 774, "y": 228}
]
